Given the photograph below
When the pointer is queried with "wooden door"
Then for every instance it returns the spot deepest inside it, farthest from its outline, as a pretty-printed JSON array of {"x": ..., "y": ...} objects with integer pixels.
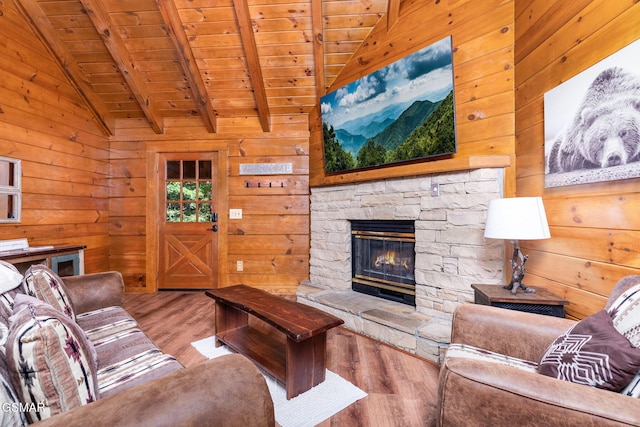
[{"x": 187, "y": 221}]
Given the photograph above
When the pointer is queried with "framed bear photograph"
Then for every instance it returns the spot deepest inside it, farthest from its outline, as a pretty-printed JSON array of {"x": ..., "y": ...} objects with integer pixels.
[{"x": 592, "y": 123}]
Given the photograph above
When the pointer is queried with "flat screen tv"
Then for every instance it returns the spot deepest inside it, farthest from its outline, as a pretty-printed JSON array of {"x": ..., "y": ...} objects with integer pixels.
[{"x": 403, "y": 112}]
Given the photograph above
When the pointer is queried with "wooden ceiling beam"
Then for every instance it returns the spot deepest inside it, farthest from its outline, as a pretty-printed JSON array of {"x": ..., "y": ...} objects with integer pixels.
[
  {"x": 175, "y": 29},
  {"x": 393, "y": 13},
  {"x": 253, "y": 61},
  {"x": 115, "y": 45},
  {"x": 41, "y": 25},
  {"x": 318, "y": 47}
]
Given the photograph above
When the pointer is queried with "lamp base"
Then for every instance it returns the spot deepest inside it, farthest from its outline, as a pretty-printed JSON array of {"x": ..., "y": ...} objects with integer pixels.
[
  {"x": 513, "y": 286},
  {"x": 517, "y": 273}
]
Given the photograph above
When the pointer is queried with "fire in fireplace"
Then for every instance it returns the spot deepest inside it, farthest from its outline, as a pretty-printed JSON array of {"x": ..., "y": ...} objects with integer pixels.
[{"x": 383, "y": 257}]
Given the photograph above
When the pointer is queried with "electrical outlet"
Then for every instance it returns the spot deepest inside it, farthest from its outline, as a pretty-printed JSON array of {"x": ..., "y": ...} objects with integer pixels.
[
  {"x": 235, "y": 213},
  {"x": 435, "y": 189},
  {"x": 239, "y": 266}
]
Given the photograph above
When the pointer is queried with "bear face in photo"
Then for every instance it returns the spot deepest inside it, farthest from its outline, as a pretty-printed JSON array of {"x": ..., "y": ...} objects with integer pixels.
[{"x": 612, "y": 135}]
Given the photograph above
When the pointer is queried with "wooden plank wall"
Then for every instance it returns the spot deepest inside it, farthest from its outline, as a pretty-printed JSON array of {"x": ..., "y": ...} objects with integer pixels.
[
  {"x": 65, "y": 157},
  {"x": 595, "y": 228},
  {"x": 272, "y": 238},
  {"x": 483, "y": 38}
]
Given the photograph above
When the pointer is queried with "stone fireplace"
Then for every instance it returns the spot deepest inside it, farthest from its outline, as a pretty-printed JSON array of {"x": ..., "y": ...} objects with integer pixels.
[{"x": 450, "y": 253}]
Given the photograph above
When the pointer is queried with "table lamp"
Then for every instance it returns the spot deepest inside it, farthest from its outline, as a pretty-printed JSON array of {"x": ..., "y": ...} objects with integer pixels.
[{"x": 517, "y": 218}]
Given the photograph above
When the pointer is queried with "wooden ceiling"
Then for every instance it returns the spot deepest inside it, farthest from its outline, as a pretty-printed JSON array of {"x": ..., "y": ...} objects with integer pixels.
[{"x": 172, "y": 59}]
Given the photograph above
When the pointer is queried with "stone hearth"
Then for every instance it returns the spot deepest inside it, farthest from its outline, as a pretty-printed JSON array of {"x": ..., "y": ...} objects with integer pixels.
[{"x": 451, "y": 254}]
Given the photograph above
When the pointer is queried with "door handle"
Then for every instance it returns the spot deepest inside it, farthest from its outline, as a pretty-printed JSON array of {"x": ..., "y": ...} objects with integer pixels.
[{"x": 214, "y": 228}]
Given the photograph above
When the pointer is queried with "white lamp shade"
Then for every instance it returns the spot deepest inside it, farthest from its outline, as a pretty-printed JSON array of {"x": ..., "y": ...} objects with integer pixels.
[{"x": 517, "y": 218}]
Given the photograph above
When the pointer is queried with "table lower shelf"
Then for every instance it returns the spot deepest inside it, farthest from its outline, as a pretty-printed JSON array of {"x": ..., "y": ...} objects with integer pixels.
[
  {"x": 261, "y": 348},
  {"x": 544, "y": 309}
]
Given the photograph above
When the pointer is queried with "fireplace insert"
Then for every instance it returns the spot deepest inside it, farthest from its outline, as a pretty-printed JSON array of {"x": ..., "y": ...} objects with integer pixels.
[{"x": 383, "y": 258}]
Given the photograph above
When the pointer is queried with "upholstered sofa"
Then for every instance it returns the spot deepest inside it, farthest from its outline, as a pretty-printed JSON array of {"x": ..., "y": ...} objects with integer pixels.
[
  {"x": 493, "y": 391},
  {"x": 72, "y": 356}
]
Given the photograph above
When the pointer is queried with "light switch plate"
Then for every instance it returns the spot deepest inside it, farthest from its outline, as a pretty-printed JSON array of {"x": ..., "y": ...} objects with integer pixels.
[
  {"x": 235, "y": 213},
  {"x": 435, "y": 189}
]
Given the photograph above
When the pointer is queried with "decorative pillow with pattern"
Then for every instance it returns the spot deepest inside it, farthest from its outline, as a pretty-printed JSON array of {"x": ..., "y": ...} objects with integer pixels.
[
  {"x": 625, "y": 312},
  {"x": 23, "y": 301},
  {"x": 594, "y": 353},
  {"x": 633, "y": 388},
  {"x": 41, "y": 282},
  {"x": 10, "y": 407},
  {"x": 49, "y": 360}
]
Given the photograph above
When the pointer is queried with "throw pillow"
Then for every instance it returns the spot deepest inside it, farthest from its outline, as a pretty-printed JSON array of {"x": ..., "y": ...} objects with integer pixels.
[
  {"x": 41, "y": 282},
  {"x": 23, "y": 301},
  {"x": 594, "y": 353},
  {"x": 49, "y": 360},
  {"x": 10, "y": 277},
  {"x": 633, "y": 388},
  {"x": 11, "y": 414},
  {"x": 625, "y": 311}
]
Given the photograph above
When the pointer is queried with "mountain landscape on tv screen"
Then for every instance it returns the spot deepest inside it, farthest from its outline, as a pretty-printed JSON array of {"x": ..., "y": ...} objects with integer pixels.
[
  {"x": 421, "y": 129},
  {"x": 398, "y": 113}
]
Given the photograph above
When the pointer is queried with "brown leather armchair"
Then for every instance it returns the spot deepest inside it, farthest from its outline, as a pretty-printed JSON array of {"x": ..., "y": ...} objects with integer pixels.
[{"x": 478, "y": 393}]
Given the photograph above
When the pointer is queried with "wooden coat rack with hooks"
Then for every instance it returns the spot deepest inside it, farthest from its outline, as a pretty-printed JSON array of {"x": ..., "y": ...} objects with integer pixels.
[{"x": 256, "y": 183}]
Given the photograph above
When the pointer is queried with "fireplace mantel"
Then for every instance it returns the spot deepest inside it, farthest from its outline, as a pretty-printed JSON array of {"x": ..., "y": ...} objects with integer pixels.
[{"x": 442, "y": 166}]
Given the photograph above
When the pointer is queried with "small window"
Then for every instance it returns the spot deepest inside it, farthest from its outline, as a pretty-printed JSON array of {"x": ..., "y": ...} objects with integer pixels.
[
  {"x": 188, "y": 191},
  {"x": 10, "y": 190}
]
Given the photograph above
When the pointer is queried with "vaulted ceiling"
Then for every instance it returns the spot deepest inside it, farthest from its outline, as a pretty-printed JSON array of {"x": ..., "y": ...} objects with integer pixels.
[{"x": 166, "y": 59}]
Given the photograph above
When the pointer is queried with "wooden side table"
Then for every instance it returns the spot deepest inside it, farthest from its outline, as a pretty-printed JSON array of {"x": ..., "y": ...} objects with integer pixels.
[
  {"x": 66, "y": 260},
  {"x": 541, "y": 302}
]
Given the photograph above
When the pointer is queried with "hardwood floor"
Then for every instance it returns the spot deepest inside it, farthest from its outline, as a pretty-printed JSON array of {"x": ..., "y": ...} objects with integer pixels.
[{"x": 401, "y": 388}]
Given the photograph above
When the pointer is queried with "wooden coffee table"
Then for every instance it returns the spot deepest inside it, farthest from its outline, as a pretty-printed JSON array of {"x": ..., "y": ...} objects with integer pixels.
[{"x": 297, "y": 362}]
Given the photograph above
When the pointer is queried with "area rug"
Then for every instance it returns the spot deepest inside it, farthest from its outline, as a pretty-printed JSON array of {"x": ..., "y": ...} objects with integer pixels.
[{"x": 308, "y": 409}]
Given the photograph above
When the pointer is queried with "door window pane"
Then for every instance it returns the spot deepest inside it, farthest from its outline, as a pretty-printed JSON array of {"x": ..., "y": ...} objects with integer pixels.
[
  {"x": 173, "y": 212},
  {"x": 204, "y": 169},
  {"x": 188, "y": 212},
  {"x": 173, "y": 169},
  {"x": 189, "y": 191},
  {"x": 204, "y": 191},
  {"x": 204, "y": 214},
  {"x": 173, "y": 191},
  {"x": 189, "y": 169}
]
